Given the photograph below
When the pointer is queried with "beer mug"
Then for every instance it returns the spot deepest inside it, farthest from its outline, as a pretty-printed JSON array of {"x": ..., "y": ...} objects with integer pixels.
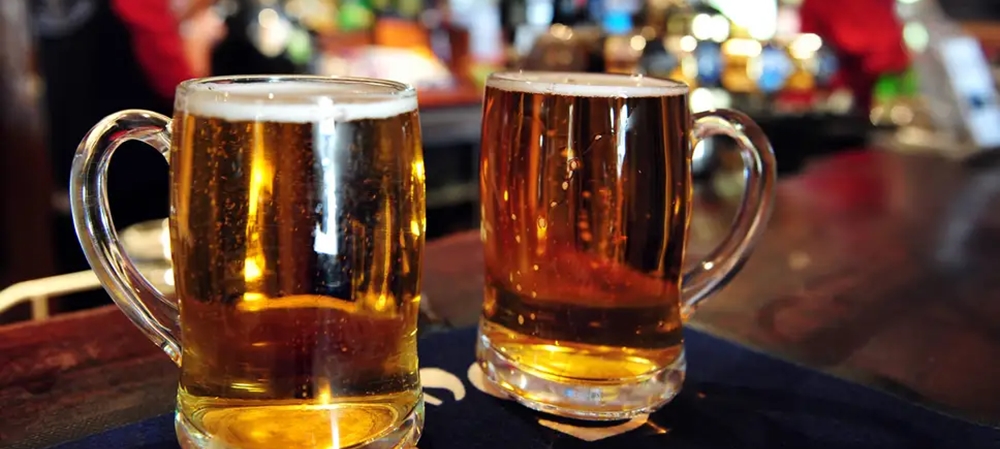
[
  {"x": 297, "y": 219},
  {"x": 586, "y": 196}
]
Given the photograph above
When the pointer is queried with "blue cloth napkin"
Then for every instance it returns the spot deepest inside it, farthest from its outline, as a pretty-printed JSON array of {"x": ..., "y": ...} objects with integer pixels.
[{"x": 733, "y": 398}]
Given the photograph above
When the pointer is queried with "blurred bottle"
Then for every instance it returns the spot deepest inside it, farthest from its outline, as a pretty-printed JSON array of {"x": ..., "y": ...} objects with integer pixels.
[
  {"x": 657, "y": 61},
  {"x": 410, "y": 9},
  {"x": 826, "y": 66},
  {"x": 482, "y": 21},
  {"x": 570, "y": 12},
  {"x": 772, "y": 70},
  {"x": 739, "y": 53},
  {"x": 710, "y": 63},
  {"x": 571, "y": 43},
  {"x": 523, "y": 23},
  {"x": 513, "y": 15},
  {"x": 449, "y": 40},
  {"x": 803, "y": 51},
  {"x": 263, "y": 38},
  {"x": 622, "y": 45},
  {"x": 694, "y": 35},
  {"x": 653, "y": 15}
]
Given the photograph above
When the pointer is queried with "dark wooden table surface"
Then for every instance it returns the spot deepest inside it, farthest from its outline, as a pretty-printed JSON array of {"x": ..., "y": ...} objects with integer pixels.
[{"x": 877, "y": 266}]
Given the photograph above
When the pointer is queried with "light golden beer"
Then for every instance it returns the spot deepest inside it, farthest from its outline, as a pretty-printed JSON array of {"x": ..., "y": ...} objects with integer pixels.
[
  {"x": 586, "y": 200},
  {"x": 297, "y": 233}
]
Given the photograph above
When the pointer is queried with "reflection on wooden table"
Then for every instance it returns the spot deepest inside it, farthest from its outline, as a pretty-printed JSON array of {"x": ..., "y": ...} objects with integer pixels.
[{"x": 877, "y": 267}]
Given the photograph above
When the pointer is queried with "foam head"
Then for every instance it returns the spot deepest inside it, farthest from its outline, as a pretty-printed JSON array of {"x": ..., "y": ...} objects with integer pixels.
[
  {"x": 586, "y": 84},
  {"x": 305, "y": 100}
]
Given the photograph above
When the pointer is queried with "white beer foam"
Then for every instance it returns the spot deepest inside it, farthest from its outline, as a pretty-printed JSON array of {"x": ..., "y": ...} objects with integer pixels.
[
  {"x": 296, "y": 101},
  {"x": 586, "y": 84}
]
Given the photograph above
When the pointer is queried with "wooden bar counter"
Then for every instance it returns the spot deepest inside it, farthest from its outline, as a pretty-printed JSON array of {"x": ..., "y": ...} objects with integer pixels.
[{"x": 877, "y": 266}]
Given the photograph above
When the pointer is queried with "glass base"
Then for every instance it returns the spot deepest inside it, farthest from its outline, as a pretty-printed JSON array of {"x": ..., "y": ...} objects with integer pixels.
[
  {"x": 620, "y": 399},
  {"x": 404, "y": 436}
]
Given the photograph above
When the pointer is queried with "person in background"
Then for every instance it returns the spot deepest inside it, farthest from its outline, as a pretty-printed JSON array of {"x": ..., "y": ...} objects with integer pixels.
[
  {"x": 98, "y": 57},
  {"x": 172, "y": 41},
  {"x": 868, "y": 39}
]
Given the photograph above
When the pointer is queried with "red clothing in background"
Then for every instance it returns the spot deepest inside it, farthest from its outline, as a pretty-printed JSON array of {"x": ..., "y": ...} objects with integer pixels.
[
  {"x": 867, "y": 36},
  {"x": 155, "y": 33}
]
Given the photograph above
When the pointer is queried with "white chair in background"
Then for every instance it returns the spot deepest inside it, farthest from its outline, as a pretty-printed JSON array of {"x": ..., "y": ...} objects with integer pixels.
[{"x": 38, "y": 291}]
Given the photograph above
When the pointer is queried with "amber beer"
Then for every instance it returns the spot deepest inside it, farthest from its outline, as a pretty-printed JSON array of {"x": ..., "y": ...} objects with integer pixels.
[
  {"x": 586, "y": 204},
  {"x": 297, "y": 240},
  {"x": 297, "y": 227}
]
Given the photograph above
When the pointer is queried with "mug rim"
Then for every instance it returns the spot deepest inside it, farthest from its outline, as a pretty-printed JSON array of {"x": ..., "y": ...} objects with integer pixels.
[
  {"x": 334, "y": 86},
  {"x": 579, "y": 84},
  {"x": 294, "y": 98}
]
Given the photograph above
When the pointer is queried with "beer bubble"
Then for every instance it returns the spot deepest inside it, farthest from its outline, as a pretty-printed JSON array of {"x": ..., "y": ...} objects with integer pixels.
[
  {"x": 574, "y": 164},
  {"x": 565, "y": 185},
  {"x": 542, "y": 223}
]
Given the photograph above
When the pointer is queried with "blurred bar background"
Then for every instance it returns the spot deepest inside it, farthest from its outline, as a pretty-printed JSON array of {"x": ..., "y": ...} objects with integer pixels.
[{"x": 820, "y": 76}]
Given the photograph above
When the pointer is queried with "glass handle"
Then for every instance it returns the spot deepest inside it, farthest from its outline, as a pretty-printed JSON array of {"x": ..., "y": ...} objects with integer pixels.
[
  {"x": 760, "y": 173},
  {"x": 142, "y": 303}
]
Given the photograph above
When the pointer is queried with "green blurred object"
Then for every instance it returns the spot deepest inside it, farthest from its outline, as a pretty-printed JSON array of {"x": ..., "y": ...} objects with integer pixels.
[
  {"x": 479, "y": 72},
  {"x": 910, "y": 84},
  {"x": 409, "y": 9},
  {"x": 355, "y": 15},
  {"x": 893, "y": 86},
  {"x": 886, "y": 88},
  {"x": 299, "y": 48}
]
